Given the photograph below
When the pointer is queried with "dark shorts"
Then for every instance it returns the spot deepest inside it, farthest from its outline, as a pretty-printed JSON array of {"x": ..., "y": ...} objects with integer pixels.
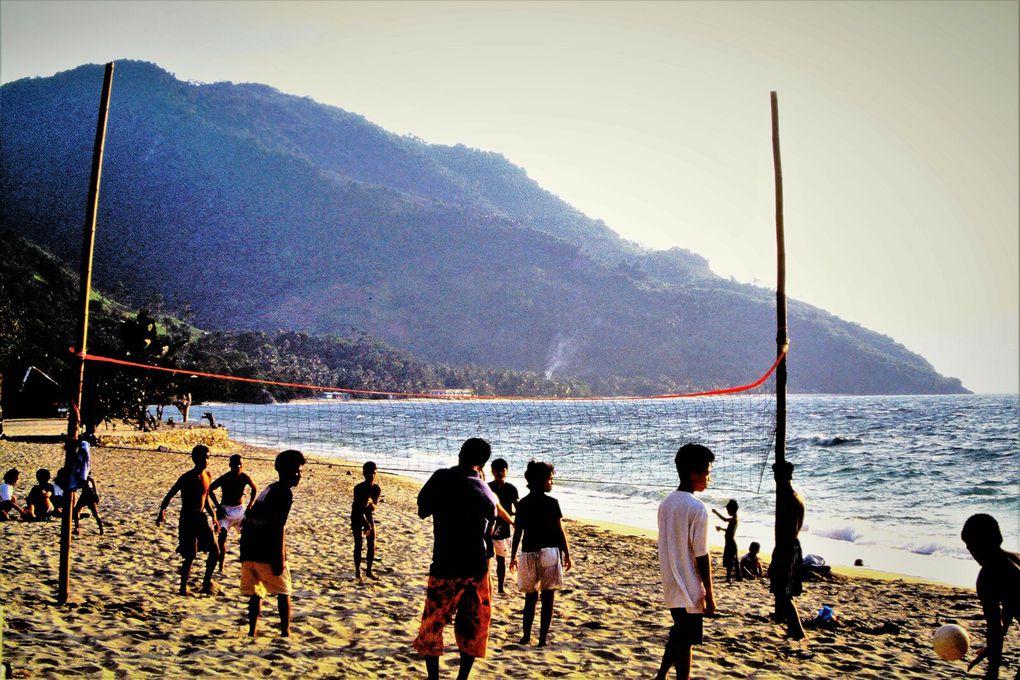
[
  {"x": 687, "y": 630},
  {"x": 729, "y": 555},
  {"x": 359, "y": 526},
  {"x": 786, "y": 571},
  {"x": 88, "y": 497},
  {"x": 194, "y": 535}
]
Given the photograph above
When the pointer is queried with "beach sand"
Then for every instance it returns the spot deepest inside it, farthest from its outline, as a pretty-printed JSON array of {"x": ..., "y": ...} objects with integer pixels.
[{"x": 125, "y": 618}]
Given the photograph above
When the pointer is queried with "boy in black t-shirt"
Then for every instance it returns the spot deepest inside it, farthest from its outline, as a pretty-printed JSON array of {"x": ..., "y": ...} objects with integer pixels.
[
  {"x": 366, "y": 495},
  {"x": 264, "y": 543},
  {"x": 545, "y": 548},
  {"x": 508, "y": 497}
]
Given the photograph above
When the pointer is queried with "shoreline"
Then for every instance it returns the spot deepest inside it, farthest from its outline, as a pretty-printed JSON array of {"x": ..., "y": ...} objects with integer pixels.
[{"x": 125, "y": 618}]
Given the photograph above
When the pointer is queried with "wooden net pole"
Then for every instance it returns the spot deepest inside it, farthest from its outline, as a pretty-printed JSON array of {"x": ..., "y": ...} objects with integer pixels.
[
  {"x": 782, "y": 332},
  {"x": 84, "y": 292}
]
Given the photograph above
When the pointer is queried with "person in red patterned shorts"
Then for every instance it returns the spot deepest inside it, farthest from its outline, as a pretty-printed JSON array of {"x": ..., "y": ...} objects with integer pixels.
[{"x": 463, "y": 511}]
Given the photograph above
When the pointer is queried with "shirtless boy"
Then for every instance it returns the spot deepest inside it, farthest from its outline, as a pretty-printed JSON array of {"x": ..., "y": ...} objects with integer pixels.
[
  {"x": 194, "y": 534},
  {"x": 230, "y": 509}
]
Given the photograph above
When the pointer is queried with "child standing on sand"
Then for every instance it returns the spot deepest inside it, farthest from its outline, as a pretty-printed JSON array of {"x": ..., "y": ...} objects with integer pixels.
[
  {"x": 366, "y": 495},
  {"x": 684, "y": 560},
  {"x": 8, "y": 501},
  {"x": 193, "y": 532},
  {"x": 264, "y": 543},
  {"x": 545, "y": 548},
  {"x": 998, "y": 586},
  {"x": 729, "y": 556}
]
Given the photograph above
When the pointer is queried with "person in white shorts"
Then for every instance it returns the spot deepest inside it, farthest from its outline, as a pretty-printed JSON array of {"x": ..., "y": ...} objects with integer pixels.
[
  {"x": 230, "y": 509},
  {"x": 545, "y": 553},
  {"x": 508, "y": 497}
]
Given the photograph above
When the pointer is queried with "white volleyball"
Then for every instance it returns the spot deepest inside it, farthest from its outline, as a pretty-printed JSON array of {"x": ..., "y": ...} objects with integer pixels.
[{"x": 951, "y": 642}]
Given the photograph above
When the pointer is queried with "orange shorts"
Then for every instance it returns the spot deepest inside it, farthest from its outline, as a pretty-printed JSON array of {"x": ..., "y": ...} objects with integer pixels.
[
  {"x": 465, "y": 601},
  {"x": 257, "y": 578}
]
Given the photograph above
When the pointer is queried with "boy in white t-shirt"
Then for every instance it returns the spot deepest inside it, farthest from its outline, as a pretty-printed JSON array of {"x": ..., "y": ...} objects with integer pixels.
[{"x": 684, "y": 560}]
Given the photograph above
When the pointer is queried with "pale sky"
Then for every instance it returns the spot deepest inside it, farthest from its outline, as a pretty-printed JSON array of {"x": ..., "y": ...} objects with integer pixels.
[{"x": 899, "y": 126}]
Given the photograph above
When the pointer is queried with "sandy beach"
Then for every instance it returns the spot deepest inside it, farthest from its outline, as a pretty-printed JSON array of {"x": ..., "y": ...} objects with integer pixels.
[{"x": 125, "y": 618}]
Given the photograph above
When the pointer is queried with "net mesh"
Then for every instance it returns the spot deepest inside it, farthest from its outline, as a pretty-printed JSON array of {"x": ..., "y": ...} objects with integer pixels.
[{"x": 607, "y": 443}]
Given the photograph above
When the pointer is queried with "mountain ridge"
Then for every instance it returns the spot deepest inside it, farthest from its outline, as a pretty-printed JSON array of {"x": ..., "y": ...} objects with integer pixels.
[{"x": 263, "y": 210}]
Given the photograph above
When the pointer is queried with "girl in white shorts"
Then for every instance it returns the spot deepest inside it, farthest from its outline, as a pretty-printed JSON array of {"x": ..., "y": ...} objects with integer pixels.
[{"x": 545, "y": 554}]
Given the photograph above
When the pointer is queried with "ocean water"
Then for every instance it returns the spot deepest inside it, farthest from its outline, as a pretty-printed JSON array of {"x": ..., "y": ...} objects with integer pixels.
[{"x": 888, "y": 480}]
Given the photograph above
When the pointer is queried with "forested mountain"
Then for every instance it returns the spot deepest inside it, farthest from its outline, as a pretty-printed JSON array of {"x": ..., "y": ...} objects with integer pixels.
[
  {"x": 263, "y": 211},
  {"x": 38, "y": 294}
]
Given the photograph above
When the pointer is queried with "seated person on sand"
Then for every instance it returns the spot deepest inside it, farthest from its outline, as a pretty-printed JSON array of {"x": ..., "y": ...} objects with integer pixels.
[
  {"x": 39, "y": 503},
  {"x": 230, "y": 509},
  {"x": 194, "y": 534},
  {"x": 89, "y": 499},
  {"x": 729, "y": 556},
  {"x": 366, "y": 495},
  {"x": 59, "y": 484},
  {"x": 264, "y": 543},
  {"x": 8, "y": 501},
  {"x": 998, "y": 586},
  {"x": 750, "y": 565}
]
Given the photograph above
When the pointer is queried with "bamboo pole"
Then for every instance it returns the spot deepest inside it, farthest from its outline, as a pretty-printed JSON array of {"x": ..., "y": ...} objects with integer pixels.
[
  {"x": 84, "y": 292},
  {"x": 782, "y": 332}
]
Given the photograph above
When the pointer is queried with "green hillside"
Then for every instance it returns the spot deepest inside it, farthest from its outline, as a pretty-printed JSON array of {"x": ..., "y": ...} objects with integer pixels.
[{"x": 261, "y": 211}]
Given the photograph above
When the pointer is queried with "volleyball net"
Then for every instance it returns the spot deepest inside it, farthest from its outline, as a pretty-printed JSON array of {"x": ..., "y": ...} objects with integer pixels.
[{"x": 606, "y": 443}]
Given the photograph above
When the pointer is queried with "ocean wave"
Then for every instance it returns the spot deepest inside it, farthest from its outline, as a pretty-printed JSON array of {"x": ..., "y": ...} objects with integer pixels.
[
  {"x": 926, "y": 548},
  {"x": 845, "y": 533}
]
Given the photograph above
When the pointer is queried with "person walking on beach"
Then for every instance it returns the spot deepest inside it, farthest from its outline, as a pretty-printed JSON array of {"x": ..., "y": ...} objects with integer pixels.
[
  {"x": 998, "y": 587},
  {"x": 463, "y": 510},
  {"x": 684, "y": 561},
  {"x": 366, "y": 495},
  {"x": 89, "y": 499},
  {"x": 264, "y": 543},
  {"x": 230, "y": 509},
  {"x": 508, "y": 497},
  {"x": 193, "y": 532},
  {"x": 545, "y": 554},
  {"x": 729, "y": 556},
  {"x": 786, "y": 569}
]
